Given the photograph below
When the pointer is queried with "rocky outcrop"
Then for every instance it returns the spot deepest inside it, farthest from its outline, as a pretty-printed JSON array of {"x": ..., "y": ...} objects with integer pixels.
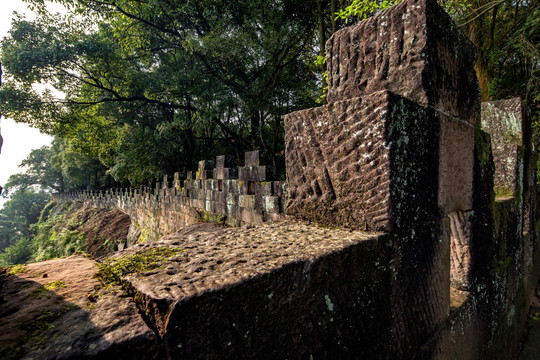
[
  {"x": 57, "y": 310},
  {"x": 510, "y": 129},
  {"x": 280, "y": 290}
]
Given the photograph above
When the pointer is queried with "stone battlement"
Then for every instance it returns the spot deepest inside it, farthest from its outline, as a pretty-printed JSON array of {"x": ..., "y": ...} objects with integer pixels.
[
  {"x": 397, "y": 150},
  {"x": 225, "y": 193}
]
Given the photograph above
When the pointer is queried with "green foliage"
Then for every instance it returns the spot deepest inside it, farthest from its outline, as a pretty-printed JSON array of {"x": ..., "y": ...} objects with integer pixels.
[
  {"x": 18, "y": 252},
  {"x": 39, "y": 171},
  {"x": 56, "y": 237},
  {"x": 113, "y": 270},
  {"x": 362, "y": 9},
  {"x": 18, "y": 213},
  {"x": 178, "y": 82}
]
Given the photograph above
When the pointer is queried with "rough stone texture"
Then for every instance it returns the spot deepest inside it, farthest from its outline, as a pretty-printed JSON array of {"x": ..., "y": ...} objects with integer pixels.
[
  {"x": 531, "y": 345},
  {"x": 456, "y": 163},
  {"x": 507, "y": 124},
  {"x": 413, "y": 49},
  {"x": 460, "y": 249},
  {"x": 377, "y": 161},
  {"x": 71, "y": 322},
  {"x": 291, "y": 290},
  {"x": 361, "y": 163},
  {"x": 488, "y": 322}
]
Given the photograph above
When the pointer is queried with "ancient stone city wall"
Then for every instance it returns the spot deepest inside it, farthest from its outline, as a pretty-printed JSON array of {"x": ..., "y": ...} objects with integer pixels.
[
  {"x": 399, "y": 149},
  {"x": 217, "y": 191}
]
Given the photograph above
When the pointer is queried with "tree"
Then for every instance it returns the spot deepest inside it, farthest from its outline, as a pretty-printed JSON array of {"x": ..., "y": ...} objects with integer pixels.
[
  {"x": 21, "y": 211},
  {"x": 39, "y": 172},
  {"x": 196, "y": 76}
]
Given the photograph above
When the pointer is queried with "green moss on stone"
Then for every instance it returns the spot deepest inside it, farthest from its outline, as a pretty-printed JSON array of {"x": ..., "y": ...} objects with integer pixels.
[
  {"x": 503, "y": 192},
  {"x": 211, "y": 217},
  {"x": 112, "y": 271},
  {"x": 16, "y": 269},
  {"x": 46, "y": 289}
]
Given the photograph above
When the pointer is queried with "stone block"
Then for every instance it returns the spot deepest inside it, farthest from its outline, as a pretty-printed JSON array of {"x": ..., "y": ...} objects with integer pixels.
[
  {"x": 366, "y": 163},
  {"x": 259, "y": 203},
  {"x": 220, "y": 208},
  {"x": 246, "y": 201},
  {"x": 255, "y": 173},
  {"x": 219, "y": 196},
  {"x": 271, "y": 204},
  {"x": 205, "y": 170},
  {"x": 225, "y": 161},
  {"x": 456, "y": 163},
  {"x": 252, "y": 158},
  {"x": 509, "y": 128},
  {"x": 263, "y": 188},
  {"x": 412, "y": 49},
  {"x": 211, "y": 184},
  {"x": 279, "y": 188},
  {"x": 200, "y": 203},
  {"x": 225, "y": 173},
  {"x": 232, "y": 199},
  {"x": 231, "y": 186},
  {"x": 233, "y": 211},
  {"x": 251, "y": 217}
]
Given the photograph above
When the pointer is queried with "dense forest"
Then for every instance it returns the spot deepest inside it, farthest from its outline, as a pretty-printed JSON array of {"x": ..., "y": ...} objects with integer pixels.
[{"x": 133, "y": 90}]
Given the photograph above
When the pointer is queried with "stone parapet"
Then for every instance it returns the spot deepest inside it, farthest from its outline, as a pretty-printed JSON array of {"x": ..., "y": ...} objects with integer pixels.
[
  {"x": 413, "y": 49},
  {"x": 207, "y": 194}
]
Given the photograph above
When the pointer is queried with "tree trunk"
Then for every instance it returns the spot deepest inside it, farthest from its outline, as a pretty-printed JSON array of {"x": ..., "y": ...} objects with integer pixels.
[
  {"x": 322, "y": 27},
  {"x": 481, "y": 66}
]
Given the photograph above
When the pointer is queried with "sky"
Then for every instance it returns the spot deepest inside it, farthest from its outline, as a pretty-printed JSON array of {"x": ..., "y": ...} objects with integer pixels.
[{"x": 19, "y": 139}]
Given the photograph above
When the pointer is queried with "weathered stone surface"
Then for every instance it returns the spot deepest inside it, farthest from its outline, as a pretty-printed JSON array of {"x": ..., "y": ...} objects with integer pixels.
[
  {"x": 413, "y": 49},
  {"x": 366, "y": 163},
  {"x": 218, "y": 257},
  {"x": 230, "y": 294},
  {"x": 225, "y": 161},
  {"x": 72, "y": 320},
  {"x": 252, "y": 158},
  {"x": 291, "y": 290},
  {"x": 507, "y": 124},
  {"x": 456, "y": 163},
  {"x": 460, "y": 250}
]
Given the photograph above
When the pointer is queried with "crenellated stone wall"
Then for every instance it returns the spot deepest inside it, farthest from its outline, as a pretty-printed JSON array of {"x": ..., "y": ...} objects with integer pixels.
[
  {"x": 400, "y": 150},
  {"x": 224, "y": 193}
]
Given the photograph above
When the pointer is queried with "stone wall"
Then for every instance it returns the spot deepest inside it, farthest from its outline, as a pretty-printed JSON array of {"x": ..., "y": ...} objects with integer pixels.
[
  {"x": 399, "y": 150},
  {"x": 224, "y": 193},
  {"x": 362, "y": 159}
]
